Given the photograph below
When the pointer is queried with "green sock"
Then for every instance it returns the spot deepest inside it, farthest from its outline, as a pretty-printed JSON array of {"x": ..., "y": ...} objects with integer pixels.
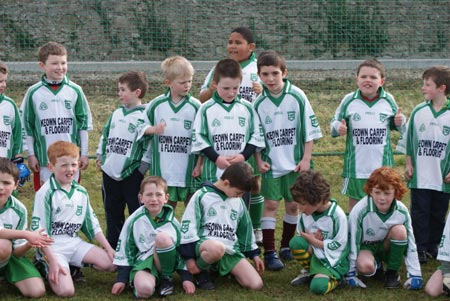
[
  {"x": 397, "y": 251},
  {"x": 302, "y": 257},
  {"x": 167, "y": 258},
  {"x": 202, "y": 265},
  {"x": 256, "y": 210}
]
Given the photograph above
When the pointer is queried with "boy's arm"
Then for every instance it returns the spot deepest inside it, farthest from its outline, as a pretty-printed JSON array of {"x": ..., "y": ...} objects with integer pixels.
[
  {"x": 409, "y": 168},
  {"x": 17, "y": 134},
  {"x": 35, "y": 239},
  {"x": 305, "y": 163},
  {"x": 84, "y": 148},
  {"x": 208, "y": 87},
  {"x": 197, "y": 171},
  {"x": 100, "y": 237},
  {"x": 263, "y": 166}
]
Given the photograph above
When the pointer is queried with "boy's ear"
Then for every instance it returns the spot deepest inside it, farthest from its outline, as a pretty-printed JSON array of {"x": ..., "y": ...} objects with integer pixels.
[
  {"x": 442, "y": 88},
  {"x": 251, "y": 46},
  {"x": 140, "y": 198},
  {"x": 137, "y": 92},
  {"x": 50, "y": 166},
  {"x": 285, "y": 73},
  {"x": 167, "y": 82}
]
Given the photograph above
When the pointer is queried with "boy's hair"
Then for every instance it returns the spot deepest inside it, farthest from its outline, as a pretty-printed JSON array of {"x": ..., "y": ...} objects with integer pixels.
[
  {"x": 385, "y": 178},
  {"x": 373, "y": 64},
  {"x": 59, "y": 149},
  {"x": 8, "y": 167},
  {"x": 246, "y": 33},
  {"x": 135, "y": 80},
  {"x": 3, "y": 68},
  {"x": 158, "y": 181},
  {"x": 51, "y": 48},
  {"x": 176, "y": 66},
  {"x": 240, "y": 175},
  {"x": 227, "y": 68},
  {"x": 271, "y": 58},
  {"x": 440, "y": 75},
  {"x": 310, "y": 187}
]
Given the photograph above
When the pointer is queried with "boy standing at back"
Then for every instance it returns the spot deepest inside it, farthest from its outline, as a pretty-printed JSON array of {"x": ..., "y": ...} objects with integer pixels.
[
  {"x": 54, "y": 109},
  {"x": 290, "y": 127},
  {"x": 428, "y": 161},
  {"x": 366, "y": 116},
  {"x": 171, "y": 156},
  {"x": 62, "y": 208},
  {"x": 120, "y": 154}
]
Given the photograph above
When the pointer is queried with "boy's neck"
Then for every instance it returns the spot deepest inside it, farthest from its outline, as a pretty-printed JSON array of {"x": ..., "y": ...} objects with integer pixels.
[
  {"x": 278, "y": 93},
  {"x": 176, "y": 98},
  {"x": 135, "y": 103},
  {"x": 2, "y": 205},
  {"x": 438, "y": 102},
  {"x": 370, "y": 99},
  {"x": 324, "y": 207}
]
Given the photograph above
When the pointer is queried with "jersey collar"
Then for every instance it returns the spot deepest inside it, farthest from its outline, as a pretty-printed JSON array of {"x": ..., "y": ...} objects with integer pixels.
[
  {"x": 2, "y": 96},
  {"x": 250, "y": 60},
  {"x": 9, "y": 204},
  {"x": 64, "y": 81},
  {"x": 54, "y": 185},
  {"x": 381, "y": 94}
]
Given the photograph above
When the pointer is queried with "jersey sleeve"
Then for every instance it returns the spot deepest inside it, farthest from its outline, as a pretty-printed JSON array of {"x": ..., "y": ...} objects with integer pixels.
[
  {"x": 42, "y": 212},
  {"x": 126, "y": 250},
  {"x": 82, "y": 112},
  {"x": 244, "y": 232},
  {"x": 411, "y": 258},
  {"x": 257, "y": 133},
  {"x": 28, "y": 119},
  {"x": 200, "y": 136},
  {"x": 310, "y": 122},
  {"x": 339, "y": 114},
  {"x": 355, "y": 233},
  {"x": 190, "y": 222},
  {"x": 444, "y": 246},
  {"x": 91, "y": 225},
  {"x": 208, "y": 80},
  {"x": 17, "y": 133},
  {"x": 336, "y": 248}
]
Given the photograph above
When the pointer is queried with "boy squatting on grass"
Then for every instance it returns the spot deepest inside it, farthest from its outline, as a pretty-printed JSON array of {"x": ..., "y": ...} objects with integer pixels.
[
  {"x": 147, "y": 251},
  {"x": 216, "y": 230},
  {"x": 380, "y": 230},
  {"x": 61, "y": 207},
  {"x": 320, "y": 245},
  {"x": 54, "y": 109},
  {"x": 15, "y": 240}
]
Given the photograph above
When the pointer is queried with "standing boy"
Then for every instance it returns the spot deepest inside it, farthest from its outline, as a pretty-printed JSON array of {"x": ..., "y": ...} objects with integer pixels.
[
  {"x": 62, "y": 208},
  {"x": 321, "y": 244},
  {"x": 216, "y": 231},
  {"x": 147, "y": 252},
  {"x": 120, "y": 153},
  {"x": 290, "y": 127},
  {"x": 171, "y": 156},
  {"x": 15, "y": 241},
  {"x": 54, "y": 109},
  {"x": 428, "y": 161},
  {"x": 366, "y": 117}
]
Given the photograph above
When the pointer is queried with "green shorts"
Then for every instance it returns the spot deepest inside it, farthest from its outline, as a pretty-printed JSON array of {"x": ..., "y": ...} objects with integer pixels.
[
  {"x": 226, "y": 264},
  {"x": 337, "y": 273},
  {"x": 278, "y": 188},
  {"x": 146, "y": 264},
  {"x": 178, "y": 194},
  {"x": 353, "y": 188},
  {"x": 18, "y": 269},
  {"x": 377, "y": 250}
]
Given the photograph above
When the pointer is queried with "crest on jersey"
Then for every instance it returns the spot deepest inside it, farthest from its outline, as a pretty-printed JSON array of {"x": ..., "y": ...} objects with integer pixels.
[
  {"x": 6, "y": 120},
  {"x": 291, "y": 115},
  {"x": 212, "y": 212},
  {"x": 79, "y": 210},
  {"x": 215, "y": 123},
  {"x": 314, "y": 121},
  {"x": 187, "y": 124},
  {"x": 441, "y": 244},
  {"x": 141, "y": 238},
  {"x": 334, "y": 245},
  {"x": 261, "y": 131},
  {"x": 253, "y": 77},
  {"x": 35, "y": 223},
  {"x": 185, "y": 226},
  {"x": 194, "y": 138},
  {"x": 446, "y": 130},
  {"x": 67, "y": 104},
  {"x": 356, "y": 117},
  {"x": 324, "y": 234},
  {"x": 233, "y": 215},
  {"x": 7, "y": 226},
  {"x": 131, "y": 128},
  {"x": 268, "y": 120},
  {"x": 422, "y": 128},
  {"x": 43, "y": 106},
  {"x": 370, "y": 232},
  {"x": 241, "y": 121},
  {"x": 383, "y": 117}
]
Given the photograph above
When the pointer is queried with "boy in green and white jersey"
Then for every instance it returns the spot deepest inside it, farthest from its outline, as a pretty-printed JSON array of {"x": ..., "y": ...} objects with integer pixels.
[
  {"x": 321, "y": 243},
  {"x": 62, "y": 208},
  {"x": 171, "y": 156},
  {"x": 147, "y": 251},
  {"x": 54, "y": 109},
  {"x": 216, "y": 230}
]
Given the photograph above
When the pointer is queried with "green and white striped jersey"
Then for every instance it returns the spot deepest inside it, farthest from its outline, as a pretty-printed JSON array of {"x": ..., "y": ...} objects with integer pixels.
[
  {"x": 171, "y": 156},
  {"x": 427, "y": 142},
  {"x": 14, "y": 216},
  {"x": 226, "y": 127},
  {"x": 288, "y": 123},
  {"x": 210, "y": 214},
  {"x": 333, "y": 225},
  {"x": 137, "y": 238},
  {"x": 64, "y": 213},
  {"x": 368, "y": 139},
  {"x": 369, "y": 226},
  {"x": 52, "y": 115},
  {"x": 10, "y": 128},
  {"x": 444, "y": 246},
  {"x": 121, "y": 146}
]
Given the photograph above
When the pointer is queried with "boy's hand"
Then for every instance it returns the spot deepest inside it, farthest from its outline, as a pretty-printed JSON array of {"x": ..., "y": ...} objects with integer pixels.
[
  {"x": 259, "y": 265},
  {"x": 118, "y": 288},
  {"x": 408, "y": 171},
  {"x": 263, "y": 166},
  {"x": 33, "y": 163},
  {"x": 38, "y": 239},
  {"x": 54, "y": 270},
  {"x": 192, "y": 267},
  {"x": 110, "y": 251},
  {"x": 398, "y": 118},
  {"x": 256, "y": 86},
  {"x": 188, "y": 287},
  {"x": 236, "y": 158},
  {"x": 159, "y": 128},
  {"x": 222, "y": 162},
  {"x": 305, "y": 164},
  {"x": 84, "y": 162},
  {"x": 342, "y": 129},
  {"x": 98, "y": 164},
  {"x": 447, "y": 178},
  {"x": 196, "y": 172}
]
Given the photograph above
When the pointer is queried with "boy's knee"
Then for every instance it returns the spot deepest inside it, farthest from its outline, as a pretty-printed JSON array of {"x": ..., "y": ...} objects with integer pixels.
[
  {"x": 163, "y": 240},
  {"x": 298, "y": 243},
  {"x": 214, "y": 248},
  {"x": 5, "y": 250},
  {"x": 319, "y": 285},
  {"x": 398, "y": 232},
  {"x": 256, "y": 285}
]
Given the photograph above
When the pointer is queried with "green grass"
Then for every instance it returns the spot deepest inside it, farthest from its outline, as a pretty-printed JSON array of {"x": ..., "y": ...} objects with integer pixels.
[{"x": 277, "y": 284}]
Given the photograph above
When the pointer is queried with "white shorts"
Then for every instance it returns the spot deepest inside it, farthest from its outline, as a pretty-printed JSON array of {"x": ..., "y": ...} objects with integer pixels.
[{"x": 70, "y": 251}]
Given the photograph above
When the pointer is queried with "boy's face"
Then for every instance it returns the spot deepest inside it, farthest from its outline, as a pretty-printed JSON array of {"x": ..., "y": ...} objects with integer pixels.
[
  {"x": 307, "y": 208},
  {"x": 153, "y": 198},
  {"x": 272, "y": 77},
  {"x": 383, "y": 198},
  {"x": 7, "y": 186},
  {"x": 238, "y": 48},
  {"x": 3, "y": 78},
  {"x": 55, "y": 67},
  {"x": 64, "y": 169},
  {"x": 430, "y": 90},
  {"x": 230, "y": 191},
  {"x": 228, "y": 88},
  {"x": 180, "y": 86},
  {"x": 369, "y": 81},
  {"x": 127, "y": 97}
]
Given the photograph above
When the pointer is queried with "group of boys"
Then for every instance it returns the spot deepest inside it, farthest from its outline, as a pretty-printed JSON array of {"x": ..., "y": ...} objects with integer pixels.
[{"x": 183, "y": 141}]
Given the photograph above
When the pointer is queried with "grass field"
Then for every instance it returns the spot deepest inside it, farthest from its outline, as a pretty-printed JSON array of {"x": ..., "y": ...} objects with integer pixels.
[{"x": 277, "y": 284}]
